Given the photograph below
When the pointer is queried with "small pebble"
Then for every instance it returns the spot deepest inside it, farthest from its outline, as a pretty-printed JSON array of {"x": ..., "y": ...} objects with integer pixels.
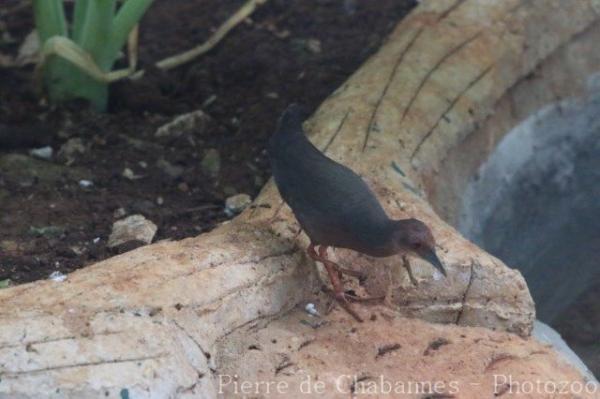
[
  {"x": 73, "y": 147},
  {"x": 47, "y": 231},
  {"x": 311, "y": 309},
  {"x": 128, "y": 174},
  {"x": 282, "y": 34},
  {"x": 183, "y": 187},
  {"x": 236, "y": 204},
  {"x": 77, "y": 250},
  {"x": 57, "y": 276},
  {"x": 211, "y": 99},
  {"x": 85, "y": 183},
  {"x": 313, "y": 45},
  {"x": 42, "y": 153},
  {"x": 7, "y": 246},
  {"x": 193, "y": 122},
  {"x": 132, "y": 228},
  {"x": 119, "y": 213}
]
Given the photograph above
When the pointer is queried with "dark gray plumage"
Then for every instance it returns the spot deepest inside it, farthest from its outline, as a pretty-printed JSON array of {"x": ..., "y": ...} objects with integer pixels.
[
  {"x": 334, "y": 206},
  {"x": 331, "y": 202}
]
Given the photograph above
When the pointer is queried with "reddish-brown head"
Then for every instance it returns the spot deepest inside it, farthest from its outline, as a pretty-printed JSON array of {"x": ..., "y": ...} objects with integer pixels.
[{"x": 412, "y": 235}]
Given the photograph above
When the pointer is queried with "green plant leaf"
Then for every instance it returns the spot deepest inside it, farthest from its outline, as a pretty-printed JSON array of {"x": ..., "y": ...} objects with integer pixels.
[
  {"x": 69, "y": 72},
  {"x": 68, "y": 50},
  {"x": 80, "y": 66},
  {"x": 49, "y": 18},
  {"x": 127, "y": 17},
  {"x": 96, "y": 33},
  {"x": 79, "y": 19}
]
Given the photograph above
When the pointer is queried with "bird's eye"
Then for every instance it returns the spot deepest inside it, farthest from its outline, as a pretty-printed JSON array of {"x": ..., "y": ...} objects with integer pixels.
[{"x": 417, "y": 245}]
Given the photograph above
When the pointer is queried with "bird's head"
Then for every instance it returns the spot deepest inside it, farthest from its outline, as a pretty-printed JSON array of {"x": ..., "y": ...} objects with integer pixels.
[{"x": 412, "y": 235}]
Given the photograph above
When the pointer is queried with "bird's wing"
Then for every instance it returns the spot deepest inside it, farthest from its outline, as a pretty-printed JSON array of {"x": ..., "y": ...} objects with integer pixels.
[{"x": 309, "y": 179}]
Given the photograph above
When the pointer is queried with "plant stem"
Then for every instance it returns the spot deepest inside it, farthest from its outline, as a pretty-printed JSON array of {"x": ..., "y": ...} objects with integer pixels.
[{"x": 65, "y": 81}]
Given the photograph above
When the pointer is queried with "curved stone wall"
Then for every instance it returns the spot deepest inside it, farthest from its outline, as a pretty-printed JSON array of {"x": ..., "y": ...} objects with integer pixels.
[
  {"x": 524, "y": 186},
  {"x": 534, "y": 202}
]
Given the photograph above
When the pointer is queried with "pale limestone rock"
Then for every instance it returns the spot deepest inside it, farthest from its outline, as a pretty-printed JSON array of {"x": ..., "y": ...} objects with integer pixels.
[
  {"x": 132, "y": 228},
  {"x": 237, "y": 203},
  {"x": 389, "y": 357}
]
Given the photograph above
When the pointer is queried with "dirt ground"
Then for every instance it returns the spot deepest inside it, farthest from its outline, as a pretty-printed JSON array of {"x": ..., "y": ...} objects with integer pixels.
[{"x": 290, "y": 51}]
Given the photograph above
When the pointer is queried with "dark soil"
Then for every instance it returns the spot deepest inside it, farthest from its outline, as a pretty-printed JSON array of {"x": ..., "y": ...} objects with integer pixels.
[{"x": 291, "y": 51}]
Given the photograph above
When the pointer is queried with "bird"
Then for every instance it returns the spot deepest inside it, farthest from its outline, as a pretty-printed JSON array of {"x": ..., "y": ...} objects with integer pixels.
[{"x": 336, "y": 208}]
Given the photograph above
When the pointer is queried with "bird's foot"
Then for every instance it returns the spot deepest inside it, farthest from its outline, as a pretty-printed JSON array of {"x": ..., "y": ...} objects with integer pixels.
[
  {"x": 345, "y": 299},
  {"x": 344, "y": 303},
  {"x": 364, "y": 299},
  {"x": 333, "y": 270},
  {"x": 361, "y": 276},
  {"x": 322, "y": 257}
]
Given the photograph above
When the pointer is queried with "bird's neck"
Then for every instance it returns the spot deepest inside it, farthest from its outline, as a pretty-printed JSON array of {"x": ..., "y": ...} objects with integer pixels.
[
  {"x": 290, "y": 123},
  {"x": 383, "y": 239}
]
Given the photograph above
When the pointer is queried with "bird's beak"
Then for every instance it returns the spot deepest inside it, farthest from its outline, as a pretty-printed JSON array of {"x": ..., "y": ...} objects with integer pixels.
[{"x": 431, "y": 257}]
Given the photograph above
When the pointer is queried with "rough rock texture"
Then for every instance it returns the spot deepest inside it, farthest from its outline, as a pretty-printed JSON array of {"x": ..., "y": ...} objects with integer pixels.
[
  {"x": 390, "y": 357},
  {"x": 237, "y": 203},
  {"x": 571, "y": 73},
  {"x": 132, "y": 228},
  {"x": 164, "y": 320}
]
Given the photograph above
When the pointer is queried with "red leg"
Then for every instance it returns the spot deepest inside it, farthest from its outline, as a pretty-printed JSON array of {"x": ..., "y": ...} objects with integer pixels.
[
  {"x": 359, "y": 275},
  {"x": 338, "y": 288},
  {"x": 323, "y": 259}
]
